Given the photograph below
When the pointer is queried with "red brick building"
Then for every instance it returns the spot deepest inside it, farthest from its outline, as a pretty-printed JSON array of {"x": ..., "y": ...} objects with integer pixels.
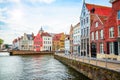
[
  {"x": 97, "y": 35},
  {"x": 112, "y": 31}
]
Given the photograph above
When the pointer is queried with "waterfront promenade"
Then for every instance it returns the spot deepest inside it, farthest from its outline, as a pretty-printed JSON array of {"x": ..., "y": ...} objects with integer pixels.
[{"x": 104, "y": 63}]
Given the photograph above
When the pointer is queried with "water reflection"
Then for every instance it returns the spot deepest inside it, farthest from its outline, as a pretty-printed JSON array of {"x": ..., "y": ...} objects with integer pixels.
[{"x": 42, "y": 67}]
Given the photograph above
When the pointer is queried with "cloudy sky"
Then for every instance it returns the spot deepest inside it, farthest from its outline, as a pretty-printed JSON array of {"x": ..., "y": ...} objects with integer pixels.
[{"x": 26, "y": 16}]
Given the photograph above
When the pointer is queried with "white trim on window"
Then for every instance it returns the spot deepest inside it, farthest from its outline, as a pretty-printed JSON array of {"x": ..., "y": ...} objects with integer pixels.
[
  {"x": 96, "y": 34},
  {"x": 119, "y": 48},
  {"x": 111, "y": 47},
  {"x": 101, "y": 34},
  {"x": 119, "y": 30},
  {"x": 111, "y": 32},
  {"x": 101, "y": 48},
  {"x": 96, "y": 24}
]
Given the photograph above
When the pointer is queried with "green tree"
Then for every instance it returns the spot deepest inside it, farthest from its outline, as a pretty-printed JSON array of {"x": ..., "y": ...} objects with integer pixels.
[{"x": 1, "y": 41}]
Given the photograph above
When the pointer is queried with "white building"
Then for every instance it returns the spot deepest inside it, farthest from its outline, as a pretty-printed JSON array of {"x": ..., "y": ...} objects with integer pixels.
[
  {"x": 47, "y": 41},
  {"x": 76, "y": 39},
  {"x": 26, "y": 42},
  {"x": 67, "y": 45},
  {"x": 85, "y": 30}
]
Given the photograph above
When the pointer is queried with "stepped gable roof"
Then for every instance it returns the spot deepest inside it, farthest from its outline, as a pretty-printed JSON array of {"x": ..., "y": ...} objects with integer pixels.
[
  {"x": 98, "y": 9},
  {"x": 45, "y": 34}
]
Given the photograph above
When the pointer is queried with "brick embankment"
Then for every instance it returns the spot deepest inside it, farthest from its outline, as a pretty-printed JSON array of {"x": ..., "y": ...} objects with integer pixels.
[
  {"x": 18, "y": 52},
  {"x": 91, "y": 71}
]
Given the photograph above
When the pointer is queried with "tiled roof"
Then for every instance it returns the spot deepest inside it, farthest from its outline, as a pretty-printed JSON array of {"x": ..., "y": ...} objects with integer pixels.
[
  {"x": 57, "y": 37},
  {"x": 45, "y": 34},
  {"x": 29, "y": 36},
  {"x": 98, "y": 9}
]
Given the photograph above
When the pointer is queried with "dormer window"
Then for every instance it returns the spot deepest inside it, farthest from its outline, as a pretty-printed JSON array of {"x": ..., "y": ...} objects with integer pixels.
[
  {"x": 96, "y": 24},
  {"x": 119, "y": 14}
]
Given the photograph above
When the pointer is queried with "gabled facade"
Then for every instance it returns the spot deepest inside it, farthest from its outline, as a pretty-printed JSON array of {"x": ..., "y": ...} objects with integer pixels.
[
  {"x": 58, "y": 41},
  {"x": 38, "y": 42},
  {"x": 71, "y": 39},
  {"x": 76, "y": 39},
  {"x": 47, "y": 41},
  {"x": 97, "y": 41},
  {"x": 85, "y": 22},
  {"x": 67, "y": 44},
  {"x": 26, "y": 42},
  {"x": 112, "y": 29}
]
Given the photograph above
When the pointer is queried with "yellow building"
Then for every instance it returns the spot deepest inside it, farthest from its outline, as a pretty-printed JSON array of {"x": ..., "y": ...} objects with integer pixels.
[{"x": 58, "y": 41}]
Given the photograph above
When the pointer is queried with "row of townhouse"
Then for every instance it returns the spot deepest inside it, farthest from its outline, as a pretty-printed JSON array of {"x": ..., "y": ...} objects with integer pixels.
[
  {"x": 98, "y": 33},
  {"x": 43, "y": 41}
]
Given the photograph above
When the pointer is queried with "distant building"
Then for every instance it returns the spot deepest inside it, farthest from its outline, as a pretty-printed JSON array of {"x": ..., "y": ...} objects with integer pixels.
[
  {"x": 71, "y": 39},
  {"x": 38, "y": 42},
  {"x": 76, "y": 39},
  {"x": 26, "y": 42},
  {"x": 58, "y": 41},
  {"x": 67, "y": 44},
  {"x": 47, "y": 41}
]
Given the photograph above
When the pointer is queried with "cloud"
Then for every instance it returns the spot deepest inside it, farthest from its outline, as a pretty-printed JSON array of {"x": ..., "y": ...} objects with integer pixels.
[{"x": 42, "y": 1}]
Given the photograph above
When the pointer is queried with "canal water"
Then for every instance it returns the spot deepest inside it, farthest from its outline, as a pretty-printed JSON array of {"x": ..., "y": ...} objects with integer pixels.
[{"x": 36, "y": 67}]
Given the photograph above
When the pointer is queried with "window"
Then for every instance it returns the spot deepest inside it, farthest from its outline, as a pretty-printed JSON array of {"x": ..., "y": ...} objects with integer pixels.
[
  {"x": 111, "y": 32},
  {"x": 101, "y": 34},
  {"x": 84, "y": 31},
  {"x": 81, "y": 32},
  {"x": 82, "y": 22},
  {"x": 92, "y": 36},
  {"x": 101, "y": 48},
  {"x": 96, "y": 24},
  {"x": 119, "y": 14},
  {"x": 119, "y": 30},
  {"x": 87, "y": 31},
  {"x": 111, "y": 47},
  {"x": 87, "y": 19},
  {"x": 119, "y": 47},
  {"x": 96, "y": 35}
]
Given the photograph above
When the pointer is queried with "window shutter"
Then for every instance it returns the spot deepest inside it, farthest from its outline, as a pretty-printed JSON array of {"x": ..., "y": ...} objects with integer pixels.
[{"x": 116, "y": 48}]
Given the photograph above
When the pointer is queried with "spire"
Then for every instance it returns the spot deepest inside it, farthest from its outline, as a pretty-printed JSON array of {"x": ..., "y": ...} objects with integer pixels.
[{"x": 41, "y": 30}]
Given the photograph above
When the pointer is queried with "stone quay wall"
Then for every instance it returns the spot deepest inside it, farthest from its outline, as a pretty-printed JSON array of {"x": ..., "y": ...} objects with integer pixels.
[
  {"x": 19, "y": 52},
  {"x": 91, "y": 71}
]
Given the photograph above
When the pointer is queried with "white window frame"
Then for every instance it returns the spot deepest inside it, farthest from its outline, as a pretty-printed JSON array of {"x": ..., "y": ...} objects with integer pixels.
[
  {"x": 111, "y": 47},
  {"x": 119, "y": 31},
  {"x": 111, "y": 32},
  {"x": 92, "y": 35},
  {"x": 101, "y": 34},
  {"x": 101, "y": 48},
  {"x": 96, "y": 24},
  {"x": 119, "y": 48},
  {"x": 96, "y": 34}
]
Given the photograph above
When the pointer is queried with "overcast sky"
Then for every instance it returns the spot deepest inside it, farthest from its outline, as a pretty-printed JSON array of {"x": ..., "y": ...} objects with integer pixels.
[{"x": 26, "y": 16}]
